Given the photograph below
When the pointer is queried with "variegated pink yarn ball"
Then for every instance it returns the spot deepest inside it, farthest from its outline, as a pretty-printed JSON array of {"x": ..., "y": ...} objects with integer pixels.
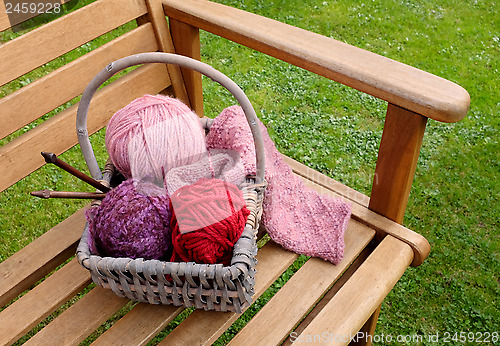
[
  {"x": 152, "y": 135},
  {"x": 132, "y": 221}
]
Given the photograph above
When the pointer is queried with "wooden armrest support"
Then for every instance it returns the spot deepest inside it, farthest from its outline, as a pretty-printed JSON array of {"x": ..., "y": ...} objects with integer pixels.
[{"x": 389, "y": 80}]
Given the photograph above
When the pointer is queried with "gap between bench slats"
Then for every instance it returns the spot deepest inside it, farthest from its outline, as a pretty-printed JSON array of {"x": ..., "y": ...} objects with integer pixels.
[
  {"x": 363, "y": 293},
  {"x": 45, "y": 94},
  {"x": 140, "y": 325},
  {"x": 40, "y": 257},
  {"x": 65, "y": 34},
  {"x": 24, "y": 314},
  {"x": 22, "y": 156},
  {"x": 302, "y": 292}
]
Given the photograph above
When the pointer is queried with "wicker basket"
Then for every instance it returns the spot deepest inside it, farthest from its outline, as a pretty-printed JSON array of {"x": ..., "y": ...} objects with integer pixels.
[{"x": 204, "y": 286}]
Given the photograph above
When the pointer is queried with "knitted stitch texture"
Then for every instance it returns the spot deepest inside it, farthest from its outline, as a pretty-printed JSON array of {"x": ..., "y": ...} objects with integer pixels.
[{"x": 295, "y": 216}]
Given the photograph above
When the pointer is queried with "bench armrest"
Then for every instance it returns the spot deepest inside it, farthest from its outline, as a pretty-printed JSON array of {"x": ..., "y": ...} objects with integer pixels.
[{"x": 384, "y": 78}]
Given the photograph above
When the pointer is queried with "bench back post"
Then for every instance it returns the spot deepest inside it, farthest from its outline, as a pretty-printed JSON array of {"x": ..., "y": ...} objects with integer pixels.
[
  {"x": 186, "y": 40},
  {"x": 157, "y": 18},
  {"x": 397, "y": 161}
]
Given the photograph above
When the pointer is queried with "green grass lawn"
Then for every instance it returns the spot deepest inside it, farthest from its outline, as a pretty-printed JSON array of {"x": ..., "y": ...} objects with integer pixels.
[{"x": 454, "y": 202}]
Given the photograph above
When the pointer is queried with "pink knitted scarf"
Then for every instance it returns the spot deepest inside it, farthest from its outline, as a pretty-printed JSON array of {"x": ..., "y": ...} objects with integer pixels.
[{"x": 295, "y": 216}]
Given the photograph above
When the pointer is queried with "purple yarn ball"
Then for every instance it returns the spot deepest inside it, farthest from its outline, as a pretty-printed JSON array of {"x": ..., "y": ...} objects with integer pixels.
[{"x": 132, "y": 221}]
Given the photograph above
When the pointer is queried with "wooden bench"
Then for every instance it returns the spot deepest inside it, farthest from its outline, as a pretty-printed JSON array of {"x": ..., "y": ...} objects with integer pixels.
[{"x": 344, "y": 299}]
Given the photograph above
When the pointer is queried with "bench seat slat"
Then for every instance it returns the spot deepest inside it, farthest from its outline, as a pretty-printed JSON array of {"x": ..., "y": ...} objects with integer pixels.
[
  {"x": 65, "y": 34},
  {"x": 209, "y": 325},
  {"x": 40, "y": 257},
  {"x": 335, "y": 288},
  {"x": 81, "y": 319},
  {"x": 362, "y": 293},
  {"x": 302, "y": 292},
  {"x": 22, "y": 156},
  {"x": 45, "y": 94},
  {"x": 140, "y": 325},
  {"x": 40, "y": 302}
]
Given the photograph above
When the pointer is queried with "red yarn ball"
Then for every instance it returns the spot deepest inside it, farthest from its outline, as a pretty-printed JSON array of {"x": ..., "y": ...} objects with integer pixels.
[{"x": 208, "y": 218}]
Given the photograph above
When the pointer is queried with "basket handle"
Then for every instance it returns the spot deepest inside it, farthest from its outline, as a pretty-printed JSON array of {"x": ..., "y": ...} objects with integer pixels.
[{"x": 166, "y": 58}]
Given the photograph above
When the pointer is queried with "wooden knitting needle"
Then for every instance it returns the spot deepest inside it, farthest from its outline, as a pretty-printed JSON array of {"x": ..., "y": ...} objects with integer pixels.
[
  {"x": 52, "y": 158},
  {"x": 68, "y": 194}
]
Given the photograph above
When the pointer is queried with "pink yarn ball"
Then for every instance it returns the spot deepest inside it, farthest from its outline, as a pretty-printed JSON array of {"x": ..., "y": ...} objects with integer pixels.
[{"x": 152, "y": 135}]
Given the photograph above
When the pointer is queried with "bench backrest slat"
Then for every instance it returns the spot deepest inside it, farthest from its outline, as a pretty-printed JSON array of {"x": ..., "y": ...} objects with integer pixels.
[
  {"x": 65, "y": 34},
  {"x": 45, "y": 94}
]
